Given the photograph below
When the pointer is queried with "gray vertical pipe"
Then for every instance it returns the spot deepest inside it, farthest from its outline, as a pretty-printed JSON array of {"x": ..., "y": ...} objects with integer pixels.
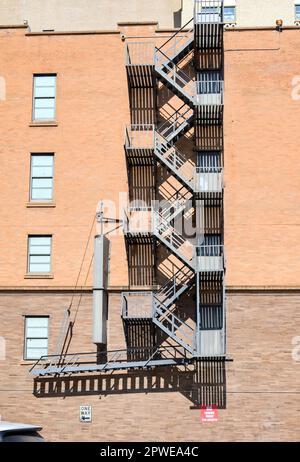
[
  {"x": 198, "y": 319},
  {"x": 100, "y": 299}
]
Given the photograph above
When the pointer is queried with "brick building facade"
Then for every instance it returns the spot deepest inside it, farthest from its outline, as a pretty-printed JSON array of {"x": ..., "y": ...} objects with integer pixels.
[{"x": 257, "y": 392}]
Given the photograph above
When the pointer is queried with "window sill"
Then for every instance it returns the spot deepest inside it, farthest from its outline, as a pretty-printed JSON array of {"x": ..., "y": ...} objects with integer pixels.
[
  {"x": 39, "y": 276},
  {"x": 49, "y": 123},
  {"x": 40, "y": 204},
  {"x": 28, "y": 362}
]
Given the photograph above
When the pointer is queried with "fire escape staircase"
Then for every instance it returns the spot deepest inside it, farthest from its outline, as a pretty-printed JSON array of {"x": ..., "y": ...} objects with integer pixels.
[
  {"x": 175, "y": 162},
  {"x": 166, "y": 62},
  {"x": 163, "y": 309},
  {"x": 168, "y": 68},
  {"x": 175, "y": 79},
  {"x": 181, "y": 120},
  {"x": 170, "y": 237},
  {"x": 205, "y": 33}
]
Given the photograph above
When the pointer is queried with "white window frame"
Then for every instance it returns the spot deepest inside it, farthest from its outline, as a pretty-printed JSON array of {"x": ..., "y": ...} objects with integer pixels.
[
  {"x": 231, "y": 20},
  {"x": 29, "y": 254},
  {"x": 31, "y": 337},
  {"x": 32, "y": 177},
  {"x": 35, "y": 98}
]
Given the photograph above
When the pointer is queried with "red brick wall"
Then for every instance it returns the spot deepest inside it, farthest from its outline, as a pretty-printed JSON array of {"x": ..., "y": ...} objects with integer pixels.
[
  {"x": 262, "y": 399},
  {"x": 261, "y": 152},
  {"x": 261, "y": 158},
  {"x": 261, "y": 213}
]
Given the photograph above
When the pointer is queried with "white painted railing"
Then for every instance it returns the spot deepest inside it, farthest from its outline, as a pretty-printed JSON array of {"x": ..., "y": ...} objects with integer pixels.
[
  {"x": 137, "y": 305},
  {"x": 139, "y": 53},
  {"x": 208, "y": 180},
  {"x": 209, "y": 93},
  {"x": 139, "y": 136},
  {"x": 209, "y": 258},
  {"x": 178, "y": 41}
]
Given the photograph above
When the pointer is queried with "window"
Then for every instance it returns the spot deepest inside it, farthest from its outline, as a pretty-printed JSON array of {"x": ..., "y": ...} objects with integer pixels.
[
  {"x": 39, "y": 254},
  {"x": 297, "y": 12},
  {"x": 41, "y": 177},
  {"x": 44, "y": 91},
  {"x": 229, "y": 14},
  {"x": 36, "y": 337}
]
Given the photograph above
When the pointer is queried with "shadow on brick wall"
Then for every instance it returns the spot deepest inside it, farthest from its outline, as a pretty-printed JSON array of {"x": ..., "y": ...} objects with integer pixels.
[{"x": 203, "y": 383}]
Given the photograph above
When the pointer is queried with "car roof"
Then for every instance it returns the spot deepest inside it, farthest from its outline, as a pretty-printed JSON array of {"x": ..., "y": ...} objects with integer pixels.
[{"x": 12, "y": 427}]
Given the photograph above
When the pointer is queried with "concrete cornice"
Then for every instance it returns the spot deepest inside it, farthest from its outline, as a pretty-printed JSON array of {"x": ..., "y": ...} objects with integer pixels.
[
  {"x": 263, "y": 289},
  {"x": 258, "y": 28},
  {"x": 137, "y": 23},
  {"x": 87, "y": 32},
  {"x": 14, "y": 26}
]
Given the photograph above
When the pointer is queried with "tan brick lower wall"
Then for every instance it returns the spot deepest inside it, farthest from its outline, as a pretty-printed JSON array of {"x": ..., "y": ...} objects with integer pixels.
[{"x": 260, "y": 395}]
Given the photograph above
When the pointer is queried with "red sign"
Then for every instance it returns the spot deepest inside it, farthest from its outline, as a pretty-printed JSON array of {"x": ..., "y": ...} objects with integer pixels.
[{"x": 209, "y": 414}]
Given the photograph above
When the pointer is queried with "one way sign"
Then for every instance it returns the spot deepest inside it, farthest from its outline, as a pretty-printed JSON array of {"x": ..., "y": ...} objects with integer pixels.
[{"x": 85, "y": 413}]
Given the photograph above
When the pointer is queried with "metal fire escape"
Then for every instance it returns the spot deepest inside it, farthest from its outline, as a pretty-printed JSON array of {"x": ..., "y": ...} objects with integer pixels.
[
  {"x": 176, "y": 102},
  {"x": 190, "y": 66}
]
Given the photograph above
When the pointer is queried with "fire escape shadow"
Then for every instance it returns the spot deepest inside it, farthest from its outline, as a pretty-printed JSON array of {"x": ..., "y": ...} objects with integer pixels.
[{"x": 203, "y": 383}]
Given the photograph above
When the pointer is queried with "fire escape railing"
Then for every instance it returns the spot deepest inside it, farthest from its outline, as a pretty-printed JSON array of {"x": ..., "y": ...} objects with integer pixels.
[
  {"x": 139, "y": 53},
  {"x": 208, "y": 11},
  {"x": 202, "y": 99}
]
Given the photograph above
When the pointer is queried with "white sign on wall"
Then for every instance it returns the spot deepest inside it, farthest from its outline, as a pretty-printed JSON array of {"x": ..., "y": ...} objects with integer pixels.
[{"x": 85, "y": 413}]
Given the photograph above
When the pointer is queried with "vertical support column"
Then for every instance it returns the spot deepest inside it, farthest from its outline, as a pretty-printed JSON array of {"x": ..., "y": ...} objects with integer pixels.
[
  {"x": 100, "y": 296},
  {"x": 198, "y": 317},
  {"x": 209, "y": 63},
  {"x": 224, "y": 316}
]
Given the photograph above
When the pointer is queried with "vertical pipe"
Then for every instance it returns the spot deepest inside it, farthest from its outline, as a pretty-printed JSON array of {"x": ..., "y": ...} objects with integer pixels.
[
  {"x": 100, "y": 298},
  {"x": 197, "y": 347}
]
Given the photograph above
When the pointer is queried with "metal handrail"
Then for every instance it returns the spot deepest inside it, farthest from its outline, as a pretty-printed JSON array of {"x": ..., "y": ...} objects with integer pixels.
[
  {"x": 209, "y": 179},
  {"x": 139, "y": 53},
  {"x": 209, "y": 169},
  {"x": 139, "y": 136},
  {"x": 178, "y": 32},
  {"x": 175, "y": 322},
  {"x": 93, "y": 357},
  {"x": 125, "y": 305},
  {"x": 137, "y": 208},
  {"x": 209, "y": 92},
  {"x": 208, "y": 11},
  {"x": 175, "y": 158},
  {"x": 174, "y": 73},
  {"x": 209, "y": 258},
  {"x": 170, "y": 288},
  {"x": 175, "y": 117},
  {"x": 214, "y": 250}
]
